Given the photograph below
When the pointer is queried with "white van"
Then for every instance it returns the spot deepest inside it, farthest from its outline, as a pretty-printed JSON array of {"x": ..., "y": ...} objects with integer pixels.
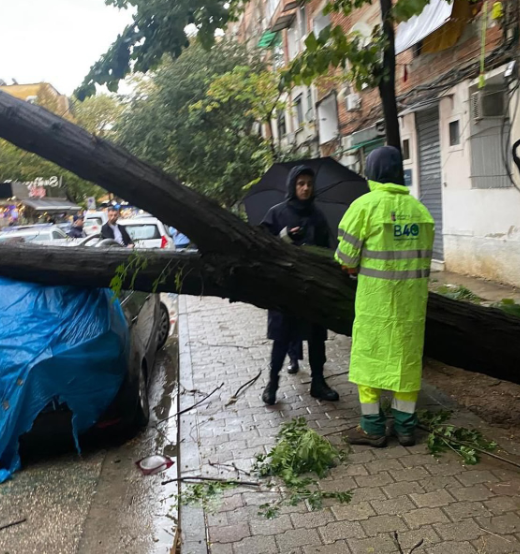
[
  {"x": 148, "y": 232},
  {"x": 94, "y": 221}
]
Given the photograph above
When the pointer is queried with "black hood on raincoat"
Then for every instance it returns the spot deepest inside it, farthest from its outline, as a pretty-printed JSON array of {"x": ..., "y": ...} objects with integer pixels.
[
  {"x": 384, "y": 165},
  {"x": 292, "y": 178}
]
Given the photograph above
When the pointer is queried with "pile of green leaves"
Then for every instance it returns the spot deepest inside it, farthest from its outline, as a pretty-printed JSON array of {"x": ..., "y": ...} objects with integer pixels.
[
  {"x": 509, "y": 306},
  {"x": 207, "y": 494},
  {"x": 459, "y": 293},
  {"x": 299, "y": 453},
  {"x": 443, "y": 437}
]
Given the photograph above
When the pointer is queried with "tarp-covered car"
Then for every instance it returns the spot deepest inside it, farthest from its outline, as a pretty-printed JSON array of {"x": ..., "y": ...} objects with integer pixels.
[{"x": 80, "y": 349}]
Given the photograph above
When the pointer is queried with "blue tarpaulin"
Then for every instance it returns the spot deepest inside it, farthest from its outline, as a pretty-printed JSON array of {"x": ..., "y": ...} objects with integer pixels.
[{"x": 56, "y": 343}]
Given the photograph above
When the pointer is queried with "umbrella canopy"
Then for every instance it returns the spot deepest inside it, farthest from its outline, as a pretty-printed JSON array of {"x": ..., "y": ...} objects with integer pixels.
[{"x": 336, "y": 187}]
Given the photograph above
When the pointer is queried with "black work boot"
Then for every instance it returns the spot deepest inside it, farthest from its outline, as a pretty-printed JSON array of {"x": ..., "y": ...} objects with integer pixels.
[
  {"x": 294, "y": 367},
  {"x": 269, "y": 394},
  {"x": 320, "y": 389}
]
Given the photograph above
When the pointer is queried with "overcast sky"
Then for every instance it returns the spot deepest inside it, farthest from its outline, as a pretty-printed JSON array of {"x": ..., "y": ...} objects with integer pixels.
[{"x": 55, "y": 40}]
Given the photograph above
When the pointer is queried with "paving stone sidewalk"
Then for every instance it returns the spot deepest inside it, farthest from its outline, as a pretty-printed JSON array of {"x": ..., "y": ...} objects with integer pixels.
[{"x": 453, "y": 508}]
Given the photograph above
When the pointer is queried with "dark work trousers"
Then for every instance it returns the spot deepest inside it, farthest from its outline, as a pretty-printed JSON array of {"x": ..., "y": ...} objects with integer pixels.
[
  {"x": 316, "y": 357},
  {"x": 295, "y": 351}
]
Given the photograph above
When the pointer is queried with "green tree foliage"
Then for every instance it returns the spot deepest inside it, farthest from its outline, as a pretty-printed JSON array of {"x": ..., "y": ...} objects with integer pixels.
[
  {"x": 97, "y": 114},
  {"x": 215, "y": 151}
]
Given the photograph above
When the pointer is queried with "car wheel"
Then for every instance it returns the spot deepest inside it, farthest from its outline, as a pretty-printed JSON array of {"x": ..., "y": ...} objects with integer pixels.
[
  {"x": 163, "y": 329},
  {"x": 142, "y": 409}
]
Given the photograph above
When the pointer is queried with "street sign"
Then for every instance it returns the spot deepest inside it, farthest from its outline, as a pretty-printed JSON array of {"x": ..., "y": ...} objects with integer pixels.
[{"x": 91, "y": 203}]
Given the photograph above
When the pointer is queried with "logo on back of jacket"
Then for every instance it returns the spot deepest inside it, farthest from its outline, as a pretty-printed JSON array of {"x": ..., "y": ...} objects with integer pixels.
[{"x": 403, "y": 231}]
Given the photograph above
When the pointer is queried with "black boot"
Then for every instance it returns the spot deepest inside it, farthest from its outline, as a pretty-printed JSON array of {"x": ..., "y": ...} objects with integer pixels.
[
  {"x": 294, "y": 367},
  {"x": 269, "y": 394},
  {"x": 320, "y": 389}
]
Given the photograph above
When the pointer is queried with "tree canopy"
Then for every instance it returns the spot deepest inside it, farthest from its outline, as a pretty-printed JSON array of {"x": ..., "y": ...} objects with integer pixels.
[{"x": 215, "y": 151}]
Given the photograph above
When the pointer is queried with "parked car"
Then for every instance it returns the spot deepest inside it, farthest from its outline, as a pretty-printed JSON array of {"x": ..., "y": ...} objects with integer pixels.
[
  {"x": 148, "y": 232},
  {"x": 94, "y": 221},
  {"x": 37, "y": 234},
  {"x": 74, "y": 350}
]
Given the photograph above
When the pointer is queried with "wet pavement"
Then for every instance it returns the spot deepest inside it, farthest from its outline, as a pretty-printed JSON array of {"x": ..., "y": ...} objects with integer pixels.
[{"x": 99, "y": 502}]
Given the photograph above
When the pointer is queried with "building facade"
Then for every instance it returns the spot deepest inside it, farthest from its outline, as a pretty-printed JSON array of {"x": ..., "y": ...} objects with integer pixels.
[{"x": 456, "y": 133}]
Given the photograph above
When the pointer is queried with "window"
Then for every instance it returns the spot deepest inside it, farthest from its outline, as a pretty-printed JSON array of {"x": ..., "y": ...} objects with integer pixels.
[
  {"x": 302, "y": 15},
  {"x": 299, "y": 118},
  {"x": 293, "y": 41},
  {"x": 321, "y": 22},
  {"x": 143, "y": 232},
  {"x": 310, "y": 106},
  {"x": 56, "y": 235},
  {"x": 328, "y": 119},
  {"x": 406, "y": 149},
  {"x": 454, "y": 133},
  {"x": 282, "y": 125}
]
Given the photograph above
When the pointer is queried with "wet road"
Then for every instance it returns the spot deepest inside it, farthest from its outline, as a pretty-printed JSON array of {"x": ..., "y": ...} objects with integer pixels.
[{"x": 99, "y": 502}]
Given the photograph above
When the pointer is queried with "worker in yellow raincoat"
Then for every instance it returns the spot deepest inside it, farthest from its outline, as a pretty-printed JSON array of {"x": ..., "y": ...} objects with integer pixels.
[{"x": 386, "y": 238}]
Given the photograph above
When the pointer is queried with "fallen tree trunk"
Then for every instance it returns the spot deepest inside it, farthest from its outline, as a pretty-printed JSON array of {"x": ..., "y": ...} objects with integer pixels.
[
  {"x": 237, "y": 261},
  {"x": 480, "y": 339}
]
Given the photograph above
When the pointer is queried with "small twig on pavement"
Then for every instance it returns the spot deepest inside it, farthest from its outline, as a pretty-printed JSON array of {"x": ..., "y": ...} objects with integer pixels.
[
  {"x": 244, "y": 387},
  {"x": 340, "y": 430},
  {"x": 194, "y": 405},
  {"x": 397, "y": 543},
  {"x": 494, "y": 534},
  {"x": 327, "y": 377},
  {"x": 227, "y": 481},
  {"x": 455, "y": 441},
  {"x": 12, "y": 524},
  {"x": 418, "y": 545},
  {"x": 230, "y": 467}
]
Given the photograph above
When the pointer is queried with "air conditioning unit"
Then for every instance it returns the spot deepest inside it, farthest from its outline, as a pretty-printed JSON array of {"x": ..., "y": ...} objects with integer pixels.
[
  {"x": 343, "y": 94},
  {"x": 488, "y": 103},
  {"x": 353, "y": 102},
  {"x": 380, "y": 128}
]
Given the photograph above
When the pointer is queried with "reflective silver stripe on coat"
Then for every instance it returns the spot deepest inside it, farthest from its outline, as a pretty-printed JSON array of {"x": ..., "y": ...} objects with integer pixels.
[
  {"x": 349, "y": 260},
  {"x": 395, "y": 275},
  {"x": 397, "y": 254},
  {"x": 404, "y": 406},
  {"x": 351, "y": 239},
  {"x": 370, "y": 409}
]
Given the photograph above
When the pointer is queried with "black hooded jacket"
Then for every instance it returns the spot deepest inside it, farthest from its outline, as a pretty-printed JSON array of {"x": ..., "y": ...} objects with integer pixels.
[
  {"x": 293, "y": 213},
  {"x": 290, "y": 214}
]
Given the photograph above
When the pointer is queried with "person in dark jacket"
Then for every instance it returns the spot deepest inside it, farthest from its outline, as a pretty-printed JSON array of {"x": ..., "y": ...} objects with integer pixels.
[
  {"x": 298, "y": 221},
  {"x": 111, "y": 230},
  {"x": 76, "y": 231}
]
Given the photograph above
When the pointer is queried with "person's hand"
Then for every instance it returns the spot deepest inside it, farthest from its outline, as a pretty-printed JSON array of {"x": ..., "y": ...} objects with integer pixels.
[
  {"x": 295, "y": 230},
  {"x": 131, "y": 246}
]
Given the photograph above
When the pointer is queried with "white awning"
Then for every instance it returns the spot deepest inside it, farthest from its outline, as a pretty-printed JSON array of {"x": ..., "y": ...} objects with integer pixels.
[{"x": 434, "y": 16}]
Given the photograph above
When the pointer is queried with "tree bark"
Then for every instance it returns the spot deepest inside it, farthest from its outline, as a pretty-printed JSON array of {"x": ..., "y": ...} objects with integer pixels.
[
  {"x": 387, "y": 83},
  {"x": 237, "y": 261}
]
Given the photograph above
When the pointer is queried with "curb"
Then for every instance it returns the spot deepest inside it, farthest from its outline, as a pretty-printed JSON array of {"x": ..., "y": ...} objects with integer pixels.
[{"x": 192, "y": 520}]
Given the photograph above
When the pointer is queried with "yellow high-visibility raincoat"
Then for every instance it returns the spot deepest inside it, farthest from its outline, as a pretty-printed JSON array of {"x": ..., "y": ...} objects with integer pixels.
[{"x": 388, "y": 235}]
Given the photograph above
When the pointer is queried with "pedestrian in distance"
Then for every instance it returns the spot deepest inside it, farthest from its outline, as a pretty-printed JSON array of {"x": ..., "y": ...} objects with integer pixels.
[
  {"x": 386, "y": 239},
  {"x": 298, "y": 221},
  {"x": 76, "y": 231},
  {"x": 112, "y": 230}
]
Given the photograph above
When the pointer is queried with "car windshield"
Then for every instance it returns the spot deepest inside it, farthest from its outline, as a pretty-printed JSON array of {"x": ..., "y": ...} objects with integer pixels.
[
  {"x": 92, "y": 221},
  {"x": 143, "y": 231}
]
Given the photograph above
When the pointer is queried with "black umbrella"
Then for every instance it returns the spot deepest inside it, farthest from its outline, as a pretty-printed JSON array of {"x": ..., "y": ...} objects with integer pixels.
[{"x": 336, "y": 187}]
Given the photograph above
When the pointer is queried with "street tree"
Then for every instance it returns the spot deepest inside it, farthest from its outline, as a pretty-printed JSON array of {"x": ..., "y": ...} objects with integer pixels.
[{"x": 214, "y": 151}]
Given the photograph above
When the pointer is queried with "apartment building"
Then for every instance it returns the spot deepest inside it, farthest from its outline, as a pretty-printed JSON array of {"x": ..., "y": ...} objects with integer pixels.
[{"x": 456, "y": 135}]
